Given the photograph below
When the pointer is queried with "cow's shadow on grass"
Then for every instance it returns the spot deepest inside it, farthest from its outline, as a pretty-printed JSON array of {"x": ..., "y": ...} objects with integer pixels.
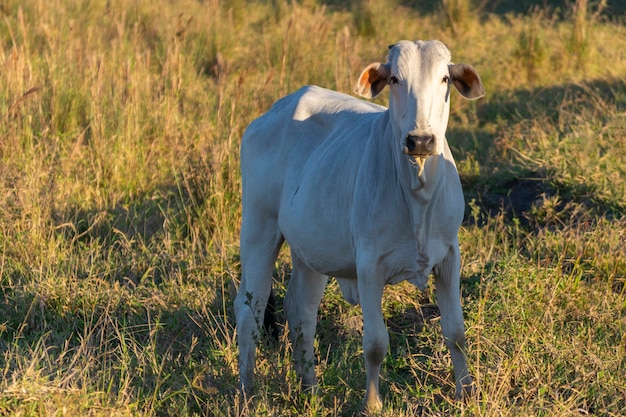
[
  {"x": 173, "y": 353},
  {"x": 132, "y": 311}
]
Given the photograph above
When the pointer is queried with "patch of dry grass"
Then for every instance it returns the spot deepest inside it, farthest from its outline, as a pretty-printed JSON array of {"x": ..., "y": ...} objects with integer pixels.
[{"x": 119, "y": 182}]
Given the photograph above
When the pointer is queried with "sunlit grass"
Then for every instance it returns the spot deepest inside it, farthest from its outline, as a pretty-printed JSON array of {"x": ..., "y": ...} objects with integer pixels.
[{"x": 119, "y": 182}]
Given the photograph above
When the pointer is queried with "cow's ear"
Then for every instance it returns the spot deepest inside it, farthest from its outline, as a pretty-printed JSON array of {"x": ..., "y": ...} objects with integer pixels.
[
  {"x": 466, "y": 80},
  {"x": 372, "y": 80}
]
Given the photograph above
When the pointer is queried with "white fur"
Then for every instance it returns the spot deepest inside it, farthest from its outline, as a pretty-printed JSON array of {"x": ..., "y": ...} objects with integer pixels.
[{"x": 327, "y": 173}]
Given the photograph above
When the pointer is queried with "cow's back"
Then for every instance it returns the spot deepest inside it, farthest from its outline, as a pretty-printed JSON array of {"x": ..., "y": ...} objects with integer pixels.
[
  {"x": 278, "y": 144},
  {"x": 301, "y": 121}
]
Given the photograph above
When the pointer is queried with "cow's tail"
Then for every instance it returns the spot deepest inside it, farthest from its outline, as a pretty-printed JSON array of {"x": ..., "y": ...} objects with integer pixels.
[{"x": 270, "y": 324}]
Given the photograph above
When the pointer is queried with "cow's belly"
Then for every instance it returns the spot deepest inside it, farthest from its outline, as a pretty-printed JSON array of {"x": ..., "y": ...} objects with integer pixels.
[
  {"x": 324, "y": 254},
  {"x": 317, "y": 228}
]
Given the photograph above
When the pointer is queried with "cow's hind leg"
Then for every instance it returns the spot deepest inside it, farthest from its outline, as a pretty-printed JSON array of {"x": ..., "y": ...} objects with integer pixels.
[
  {"x": 447, "y": 282},
  {"x": 304, "y": 293},
  {"x": 260, "y": 243}
]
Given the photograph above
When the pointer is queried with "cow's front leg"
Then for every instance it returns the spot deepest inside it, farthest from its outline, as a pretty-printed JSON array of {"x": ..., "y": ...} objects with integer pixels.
[
  {"x": 375, "y": 337},
  {"x": 447, "y": 282}
]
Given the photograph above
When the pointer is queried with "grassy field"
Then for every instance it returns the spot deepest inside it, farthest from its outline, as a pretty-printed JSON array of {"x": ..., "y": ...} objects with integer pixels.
[{"x": 120, "y": 206}]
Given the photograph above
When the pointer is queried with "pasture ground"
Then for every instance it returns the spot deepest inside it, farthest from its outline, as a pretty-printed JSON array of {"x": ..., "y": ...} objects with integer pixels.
[{"x": 120, "y": 207}]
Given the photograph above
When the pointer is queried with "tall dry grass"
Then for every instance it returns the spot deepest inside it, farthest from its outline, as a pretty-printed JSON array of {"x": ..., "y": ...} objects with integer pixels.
[{"x": 119, "y": 182}]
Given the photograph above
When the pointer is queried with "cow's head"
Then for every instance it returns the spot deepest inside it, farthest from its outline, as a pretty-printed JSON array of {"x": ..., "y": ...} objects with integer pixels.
[{"x": 419, "y": 75}]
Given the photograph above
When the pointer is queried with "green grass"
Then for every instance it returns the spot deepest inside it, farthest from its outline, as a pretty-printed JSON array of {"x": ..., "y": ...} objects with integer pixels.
[{"x": 119, "y": 182}]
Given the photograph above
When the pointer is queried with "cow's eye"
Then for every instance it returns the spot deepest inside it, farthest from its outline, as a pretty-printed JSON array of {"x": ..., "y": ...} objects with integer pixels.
[
  {"x": 445, "y": 79},
  {"x": 393, "y": 80}
]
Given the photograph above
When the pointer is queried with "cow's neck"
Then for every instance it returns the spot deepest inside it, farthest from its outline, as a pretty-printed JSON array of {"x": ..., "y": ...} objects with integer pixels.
[
  {"x": 418, "y": 187},
  {"x": 422, "y": 194}
]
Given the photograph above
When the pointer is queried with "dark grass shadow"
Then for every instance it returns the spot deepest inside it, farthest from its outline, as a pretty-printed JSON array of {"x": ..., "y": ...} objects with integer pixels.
[
  {"x": 149, "y": 347},
  {"x": 177, "y": 338},
  {"x": 113, "y": 231},
  {"x": 554, "y": 105},
  {"x": 507, "y": 184},
  {"x": 552, "y": 101},
  {"x": 130, "y": 310},
  {"x": 558, "y": 8},
  {"x": 615, "y": 10},
  {"x": 145, "y": 227}
]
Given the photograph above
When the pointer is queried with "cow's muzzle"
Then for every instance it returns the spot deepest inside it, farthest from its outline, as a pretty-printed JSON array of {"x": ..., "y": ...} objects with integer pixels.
[{"x": 422, "y": 145}]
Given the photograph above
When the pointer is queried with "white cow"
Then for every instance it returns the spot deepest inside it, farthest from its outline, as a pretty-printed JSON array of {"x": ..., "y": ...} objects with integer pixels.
[{"x": 360, "y": 192}]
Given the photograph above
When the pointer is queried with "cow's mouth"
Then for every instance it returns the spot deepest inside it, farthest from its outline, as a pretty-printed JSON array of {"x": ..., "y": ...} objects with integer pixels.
[
  {"x": 419, "y": 146},
  {"x": 418, "y": 159}
]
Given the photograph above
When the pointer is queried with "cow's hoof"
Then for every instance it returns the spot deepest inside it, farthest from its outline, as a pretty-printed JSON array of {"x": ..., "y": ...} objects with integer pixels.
[
  {"x": 372, "y": 405},
  {"x": 465, "y": 391}
]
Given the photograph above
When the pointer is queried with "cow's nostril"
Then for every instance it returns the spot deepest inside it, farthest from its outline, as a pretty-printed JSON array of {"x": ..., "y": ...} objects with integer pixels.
[
  {"x": 410, "y": 143},
  {"x": 429, "y": 144}
]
